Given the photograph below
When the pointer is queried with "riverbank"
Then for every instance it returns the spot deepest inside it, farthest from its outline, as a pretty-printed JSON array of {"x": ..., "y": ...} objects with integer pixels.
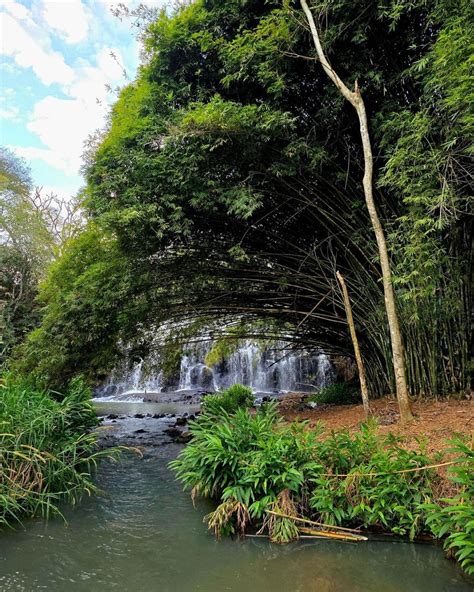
[
  {"x": 47, "y": 449},
  {"x": 439, "y": 421},
  {"x": 271, "y": 475},
  {"x": 143, "y": 529}
]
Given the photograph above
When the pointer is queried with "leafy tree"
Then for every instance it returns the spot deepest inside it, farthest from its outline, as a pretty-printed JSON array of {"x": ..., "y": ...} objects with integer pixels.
[
  {"x": 24, "y": 249},
  {"x": 32, "y": 228},
  {"x": 227, "y": 189}
]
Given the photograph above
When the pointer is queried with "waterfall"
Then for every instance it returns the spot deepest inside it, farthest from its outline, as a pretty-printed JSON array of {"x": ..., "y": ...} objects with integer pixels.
[{"x": 271, "y": 370}]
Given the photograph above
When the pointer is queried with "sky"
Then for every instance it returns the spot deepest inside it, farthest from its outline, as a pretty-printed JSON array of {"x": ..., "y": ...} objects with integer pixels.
[{"x": 56, "y": 58}]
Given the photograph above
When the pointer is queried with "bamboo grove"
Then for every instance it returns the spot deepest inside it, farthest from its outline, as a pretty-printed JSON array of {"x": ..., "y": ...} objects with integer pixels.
[{"x": 226, "y": 190}]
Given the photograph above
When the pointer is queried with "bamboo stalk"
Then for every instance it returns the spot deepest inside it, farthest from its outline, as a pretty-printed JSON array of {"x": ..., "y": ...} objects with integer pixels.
[
  {"x": 297, "y": 519},
  {"x": 413, "y": 470},
  {"x": 333, "y": 535},
  {"x": 355, "y": 342},
  {"x": 265, "y": 536}
]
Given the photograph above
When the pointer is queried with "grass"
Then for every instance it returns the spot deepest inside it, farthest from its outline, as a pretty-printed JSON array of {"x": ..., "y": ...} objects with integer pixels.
[
  {"x": 47, "y": 451},
  {"x": 235, "y": 397}
]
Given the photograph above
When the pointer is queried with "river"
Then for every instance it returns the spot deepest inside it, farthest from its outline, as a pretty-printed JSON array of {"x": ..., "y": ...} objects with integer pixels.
[{"x": 143, "y": 534}]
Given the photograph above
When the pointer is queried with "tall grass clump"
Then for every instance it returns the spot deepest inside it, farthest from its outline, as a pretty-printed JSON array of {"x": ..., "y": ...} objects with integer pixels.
[
  {"x": 268, "y": 475},
  {"x": 46, "y": 448}
]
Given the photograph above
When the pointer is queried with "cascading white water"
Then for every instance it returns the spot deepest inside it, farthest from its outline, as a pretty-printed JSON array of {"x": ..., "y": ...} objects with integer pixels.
[
  {"x": 274, "y": 369},
  {"x": 131, "y": 382}
]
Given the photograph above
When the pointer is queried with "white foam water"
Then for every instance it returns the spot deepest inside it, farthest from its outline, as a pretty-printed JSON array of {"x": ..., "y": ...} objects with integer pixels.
[{"x": 267, "y": 370}]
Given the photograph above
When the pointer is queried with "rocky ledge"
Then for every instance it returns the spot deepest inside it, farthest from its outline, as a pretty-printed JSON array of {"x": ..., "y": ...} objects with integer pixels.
[{"x": 147, "y": 430}]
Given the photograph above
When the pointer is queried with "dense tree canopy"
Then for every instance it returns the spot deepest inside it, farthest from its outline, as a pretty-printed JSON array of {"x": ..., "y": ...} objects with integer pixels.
[
  {"x": 227, "y": 189},
  {"x": 25, "y": 248}
]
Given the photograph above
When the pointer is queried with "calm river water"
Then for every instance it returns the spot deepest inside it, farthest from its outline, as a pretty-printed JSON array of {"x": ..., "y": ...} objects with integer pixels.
[{"x": 143, "y": 535}]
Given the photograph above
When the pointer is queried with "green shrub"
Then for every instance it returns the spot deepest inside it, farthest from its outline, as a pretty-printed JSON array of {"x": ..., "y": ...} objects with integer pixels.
[
  {"x": 339, "y": 393},
  {"x": 453, "y": 518},
  {"x": 253, "y": 463},
  {"x": 235, "y": 397},
  {"x": 254, "y": 459},
  {"x": 375, "y": 494},
  {"x": 249, "y": 458},
  {"x": 46, "y": 449}
]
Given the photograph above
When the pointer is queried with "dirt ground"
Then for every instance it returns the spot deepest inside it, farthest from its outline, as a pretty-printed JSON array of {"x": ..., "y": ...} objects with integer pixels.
[{"x": 439, "y": 420}]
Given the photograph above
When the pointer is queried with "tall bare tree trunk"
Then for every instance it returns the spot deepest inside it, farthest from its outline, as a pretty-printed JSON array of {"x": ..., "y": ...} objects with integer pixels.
[
  {"x": 355, "y": 342},
  {"x": 356, "y": 100}
]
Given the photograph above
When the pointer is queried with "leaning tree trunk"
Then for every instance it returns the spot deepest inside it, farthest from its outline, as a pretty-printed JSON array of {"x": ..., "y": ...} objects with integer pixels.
[
  {"x": 356, "y": 100},
  {"x": 355, "y": 342}
]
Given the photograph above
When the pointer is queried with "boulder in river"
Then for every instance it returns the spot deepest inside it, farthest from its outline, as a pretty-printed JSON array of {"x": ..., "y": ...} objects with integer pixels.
[
  {"x": 184, "y": 438},
  {"x": 172, "y": 432}
]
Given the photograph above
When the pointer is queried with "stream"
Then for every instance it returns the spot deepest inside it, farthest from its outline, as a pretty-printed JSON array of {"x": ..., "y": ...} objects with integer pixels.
[{"x": 143, "y": 534}]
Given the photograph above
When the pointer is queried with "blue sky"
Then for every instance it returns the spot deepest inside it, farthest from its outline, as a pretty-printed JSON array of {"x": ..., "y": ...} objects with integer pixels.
[{"x": 55, "y": 62}]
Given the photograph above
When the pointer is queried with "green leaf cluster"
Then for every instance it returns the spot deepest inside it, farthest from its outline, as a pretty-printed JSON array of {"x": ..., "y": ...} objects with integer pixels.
[
  {"x": 46, "y": 452},
  {"x": 251, "y": 463}
]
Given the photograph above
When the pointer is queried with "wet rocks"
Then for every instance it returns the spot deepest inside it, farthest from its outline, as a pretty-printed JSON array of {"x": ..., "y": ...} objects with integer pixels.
[
  {"x": 178, "y": 436},
  {"x": 173, "y": 432},
  {"x": 184, "y": 438}
]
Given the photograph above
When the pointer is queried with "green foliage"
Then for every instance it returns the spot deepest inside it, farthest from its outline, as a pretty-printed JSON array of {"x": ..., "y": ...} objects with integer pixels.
[
  {"x": 254, "y": 458},
  {"x": 25, "y": 249},
  {"x": 228, "y": 184},
  {"x": 453, "y": 518},
  {"x": 252, "y": 463},
  {"x": 247, "y": 457},
  {"x": 374, "y": 494},
  {"x": 231, "y": 400},
  {"x": 88, "y": 293},
  {"x": 46, "y": 452},
  {"x": 339, "y": 393}
]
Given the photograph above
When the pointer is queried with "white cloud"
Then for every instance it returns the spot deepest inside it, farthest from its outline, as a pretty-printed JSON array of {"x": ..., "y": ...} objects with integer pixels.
[
  {"x": 17, "y": 10},
  {"x": 30, "y": 153},
  {"x": 62, "y": 121},
  {"x": 22, "y": 42},
  {"x": 11, "y": 113},
  {"x": 62, "y": 125},
  {"x": 68, "y": 19}
]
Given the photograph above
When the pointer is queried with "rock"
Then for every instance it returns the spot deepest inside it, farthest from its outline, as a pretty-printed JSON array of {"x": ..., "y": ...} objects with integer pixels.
[
  {"x": 158, "y": 415},
  {"x": 184, "y": 438},
  {"x": 172, "y": 432},
  {"x": 140, "y": 431},
  {"x": 181, "y": 421},
  {"x": 139, "y": 415},
  {"x": 206, "y": 378},
  {"x": 112, "y": 416},
  {"x": 311, "y": 404}
]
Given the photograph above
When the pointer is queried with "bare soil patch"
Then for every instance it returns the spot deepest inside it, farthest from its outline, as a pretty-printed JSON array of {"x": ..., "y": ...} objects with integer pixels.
[{"x": 437, "y": 420}]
